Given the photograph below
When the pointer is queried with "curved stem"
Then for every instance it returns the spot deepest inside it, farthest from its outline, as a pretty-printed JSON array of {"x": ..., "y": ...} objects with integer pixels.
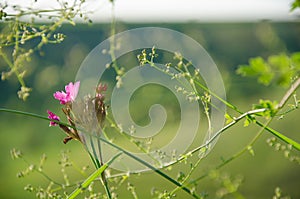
[
  {"x": 249, "y": 113},
  {"x": 289, "y": 93}
]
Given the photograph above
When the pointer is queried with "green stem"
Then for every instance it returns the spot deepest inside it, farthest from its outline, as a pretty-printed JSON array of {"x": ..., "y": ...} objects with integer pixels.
[
  {"x": 126, "y": 136},
  {"x": 35, "y": 12},
  {"x": 112, "y": 42},
  {"x": 92, "y": 177},
  {"x": 105, "y": 184},
  {"x": 12, "y": 67},
  {"x": 34, "y": 115},
  {"x": 193, "y": 167},
  {"x": 284, "y": 138},
  {"x": 98, "y": 164}
]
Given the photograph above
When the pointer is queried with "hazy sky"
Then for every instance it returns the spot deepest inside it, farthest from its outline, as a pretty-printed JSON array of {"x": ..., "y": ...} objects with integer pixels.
[
  {"x": 203, "y": 10},
  {"x": 183, "y": 10}
]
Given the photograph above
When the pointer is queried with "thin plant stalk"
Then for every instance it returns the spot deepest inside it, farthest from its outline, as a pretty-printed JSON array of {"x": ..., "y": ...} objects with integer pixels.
[{"x": 92, "y": 177}]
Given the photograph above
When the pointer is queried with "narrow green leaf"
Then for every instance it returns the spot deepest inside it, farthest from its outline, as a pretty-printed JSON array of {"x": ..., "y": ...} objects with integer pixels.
[
  {"x": 92, "y": 177},
  {"x": 228, "y": 118}
]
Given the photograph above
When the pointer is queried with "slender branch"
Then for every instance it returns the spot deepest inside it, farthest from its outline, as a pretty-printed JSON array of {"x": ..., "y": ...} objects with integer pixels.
[
  {"x": 222, "y": 130},
  {"x": 193, "y": 167},
  {"x": 289, "y": 93}
]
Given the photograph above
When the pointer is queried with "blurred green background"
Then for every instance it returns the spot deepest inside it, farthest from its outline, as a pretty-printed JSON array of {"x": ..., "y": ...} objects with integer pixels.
[{"x": 229, "y": 44}]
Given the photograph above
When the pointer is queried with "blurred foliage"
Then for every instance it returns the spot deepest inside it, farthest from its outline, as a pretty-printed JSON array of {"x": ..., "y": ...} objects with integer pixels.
[
  {"x": 20, "y": 36},
  {"x": 280, "y": 69},
  {"x": 295, "y": 4}
]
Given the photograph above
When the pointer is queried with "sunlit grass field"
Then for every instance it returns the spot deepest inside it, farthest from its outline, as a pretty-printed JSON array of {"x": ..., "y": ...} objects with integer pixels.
[{"x": 228, "y": 44}]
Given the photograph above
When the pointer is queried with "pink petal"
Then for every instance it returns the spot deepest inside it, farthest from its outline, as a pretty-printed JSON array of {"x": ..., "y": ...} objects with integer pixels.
[
  {"x": 69, "y": 87},
  {"x": 61, "y": 96},
  {"x": 72, "y": 90},
  {"x": 52, "y": 116},
  {"x": 75, "y": 90},
  {"x": 70, "y": 95}
]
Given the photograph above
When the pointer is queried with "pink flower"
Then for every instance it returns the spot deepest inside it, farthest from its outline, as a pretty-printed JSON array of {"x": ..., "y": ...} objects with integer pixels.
[
  {"x": 69, "y": 95},
  {"x": 52, "y": 116}
]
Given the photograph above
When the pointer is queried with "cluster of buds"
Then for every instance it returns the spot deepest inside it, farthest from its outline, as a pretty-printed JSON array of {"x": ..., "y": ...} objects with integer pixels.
[
  {"x": 99, "y": 104},
  {"x": 91, "y": 105}
]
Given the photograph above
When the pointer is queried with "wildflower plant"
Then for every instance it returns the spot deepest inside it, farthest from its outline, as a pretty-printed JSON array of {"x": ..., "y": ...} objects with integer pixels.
[
  {"x": 90, "y": 105},
  {"x": 96, "y": 108}
]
